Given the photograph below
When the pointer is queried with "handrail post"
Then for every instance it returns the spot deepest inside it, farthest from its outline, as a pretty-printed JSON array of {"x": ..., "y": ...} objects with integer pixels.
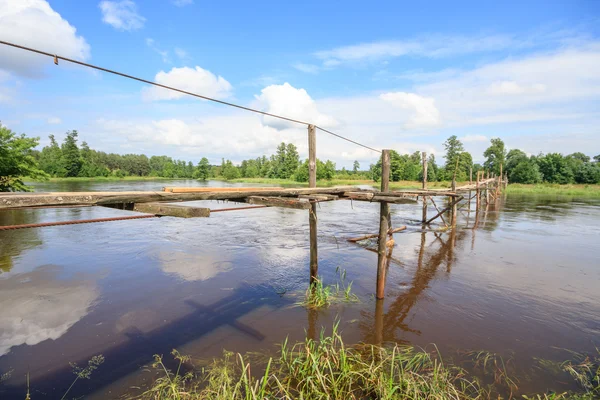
[
  {"x": 384, "y": 214},
  {"x": 312, "y": 213}
]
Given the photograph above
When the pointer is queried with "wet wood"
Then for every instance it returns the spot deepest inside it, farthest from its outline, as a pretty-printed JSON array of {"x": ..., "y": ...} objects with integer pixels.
[
  {"x": 390, "y": 197},
  {"x": 279, "y": 202},
  {"x": 384, "y": 213},
  {"x": 314, "y": 253},
  {"x": 374, "y": 235},
  {"x": 19, "y": 200},
  {"x": 454, "y": 202},
  {"x": 217, "y": 189},
  {"x": 172, "y": 210},
  {"x": 441, "y": 214},
  {"x": 319, "y": 197}
]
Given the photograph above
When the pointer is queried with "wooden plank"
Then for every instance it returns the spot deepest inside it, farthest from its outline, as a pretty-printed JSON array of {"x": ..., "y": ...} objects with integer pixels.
[
  {"x": 217, "y": 189},
  {"x": 19, "y": 200},
  {"x": 396, "y": 198},
  {"x": 374, "y": 235},
  {"x": 319, "y": 197},
  {"x": 172, "y": 210},
  {"x": 279, "y": 202}
]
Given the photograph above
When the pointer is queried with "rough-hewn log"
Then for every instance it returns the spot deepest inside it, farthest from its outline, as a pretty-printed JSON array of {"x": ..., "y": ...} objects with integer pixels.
[
  {"x": 279, "y": 202},
  {"x": 374, "y": 235},
  {"x": 172, "y": 210},
  {"x": 319, "y": 197},
  {"x": 18, "y": 200},
  {"x": 389, "y": 197}
]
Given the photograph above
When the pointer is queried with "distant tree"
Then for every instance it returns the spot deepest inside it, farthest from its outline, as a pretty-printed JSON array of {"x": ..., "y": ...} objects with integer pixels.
[
  {"x": 579, "y": 156},
  {"x": 71, "y": 159},
  {"x": 230, "y": 171},
  {"x": 50, "y": 158},
  {"x": 555, "y": 168},
  {"x": 291, "y": 161},
  {"x": 355, "y": 166},
  {"x": 587, "y": 173},
  {"x": 597, "y": 158},
  {"x": 455, "y": 150},
  {"x": 495, "y": 156},
  {"x": 526, "y": 171},
  {"x": 17, "y": 161},
  {"x": 202, "y": 169}
]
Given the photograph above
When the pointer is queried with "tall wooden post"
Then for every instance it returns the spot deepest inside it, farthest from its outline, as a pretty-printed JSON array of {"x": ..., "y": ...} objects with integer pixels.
[
  {"x": 424, "y": 154},
  {"x": 477, "y": 193},
  {"x": 499, "y": 187},
  {"x": 378, "y": 322},
  {"x": 312, "y": 213},
  {"x": 470, "y": 175},
  {"x": 384, "y": 213}
]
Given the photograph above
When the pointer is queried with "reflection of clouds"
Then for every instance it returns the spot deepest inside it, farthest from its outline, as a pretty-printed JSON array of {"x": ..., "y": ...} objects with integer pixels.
[
  {"x": 36, "y": 306},
  {"x": 194, "y": 267}
]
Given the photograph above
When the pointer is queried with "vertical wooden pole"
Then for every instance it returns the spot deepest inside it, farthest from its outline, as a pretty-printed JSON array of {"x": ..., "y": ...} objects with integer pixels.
[
  {"x": 454, "y": 175},
  {"x": 312, "y": 213},
  {"x": 312, "y": 157},
  {"x": 499, "y": 188},
  {"x": 477, "y": 193},
  {"x": 470, "y": 175},
  {"x": 379, "y": 322},
  {"x": 424, "y": 154},
  {"x": 384, "y": 212}
]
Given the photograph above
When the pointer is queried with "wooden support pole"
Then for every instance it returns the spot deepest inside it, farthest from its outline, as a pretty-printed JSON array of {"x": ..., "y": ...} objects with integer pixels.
[
  {"x": 499, "y": 187},
  {"x": 424, "y": 154},
  {"x": 383, "y": 226},
  {"x": 454, "y": 202},
  {"x": 379, "y": 322},
  {"x": 312, "y": 157},
  {"x": 470, "y": 175},
  {"x": 454, "y": 175},
  {"x": 424, "y": 217},
  {"x": 312, "y": 213},
  {"x": 374, "y": 235}
]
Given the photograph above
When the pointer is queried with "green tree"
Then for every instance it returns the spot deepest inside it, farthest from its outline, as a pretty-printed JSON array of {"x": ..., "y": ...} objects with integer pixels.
[
  {"x": 495, "y": 156},
  {"x": 202, "y": 170},
  {"x": 587, "y": 173},
  {"x": 555, "y": 168},
  {"x": 17, "y": 161},
  {"x": 291, "y": 161},
  {"x": 355, "y": 166},
  {"x": 597, "y": 158},
  {"x": 50, "y": 158},
  {"x": 71, "y": 159},
  {"x": 526, "y": 171},
  {"x": 454, "y": 148},
  {"x": 230, "y": 171}
]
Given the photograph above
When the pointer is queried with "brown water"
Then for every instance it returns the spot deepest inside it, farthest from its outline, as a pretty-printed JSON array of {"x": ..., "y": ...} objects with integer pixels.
[{"x": 524, "y": 283}]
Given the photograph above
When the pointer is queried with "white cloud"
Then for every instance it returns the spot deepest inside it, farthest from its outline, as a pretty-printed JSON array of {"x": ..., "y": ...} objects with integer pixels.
[
  {"x": 287, "y": 101},
  {"x": 34, "y": 23},
  {"x": 511, "y": 87},
  {"x": 474, "y": 138},
  {"x": 54, "y": 121},
  {"x": 195, "y": 80},
  {"x": 424, "y": 111},
  {"x": 181, "y": 3},
  {"x": 151, "y": 43},
  {"x": 121, "y": 15},
  {"x": 308, "y": 68},
  {"x": 427, "y": 46},
  {"x": 181, "y": 53}
]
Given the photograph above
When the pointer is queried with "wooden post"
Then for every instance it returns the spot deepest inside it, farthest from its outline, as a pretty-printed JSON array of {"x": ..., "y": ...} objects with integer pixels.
[
  {"x": 424, "y": 154},
  {"x": 379, "y": 322},
  {"x": 477, "y": 193},
  {"x": 499, "y": 188},
  {"x": 312, "y": 212},
  {"x": 384, "y": 213},
  {"x": 470, "y": 175},
  {"x": 454, "y": 176}
]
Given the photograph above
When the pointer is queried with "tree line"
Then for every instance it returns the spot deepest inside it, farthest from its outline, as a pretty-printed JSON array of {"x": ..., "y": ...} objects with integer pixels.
[{"x": 18, "y": 158}]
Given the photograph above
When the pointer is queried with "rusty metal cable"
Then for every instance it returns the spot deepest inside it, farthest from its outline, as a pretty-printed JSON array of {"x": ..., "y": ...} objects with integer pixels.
[
  {"x": 74, "y": 222},
  {"x": 56, "y": 57}
]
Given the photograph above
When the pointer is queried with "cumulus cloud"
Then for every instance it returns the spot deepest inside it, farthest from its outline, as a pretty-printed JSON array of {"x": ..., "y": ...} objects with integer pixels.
[
  {"x": 121, "y": 15},
  {"x": 56, "y": 306},
  {"x": 34, "y": 23},
  {"x": 54, "y": 121},
  {"x": 194, "y": 267},
  {"x": 287, "y": 101},
  {"x": 195, "y": 80},
  {"x": 423, "y": 109}
]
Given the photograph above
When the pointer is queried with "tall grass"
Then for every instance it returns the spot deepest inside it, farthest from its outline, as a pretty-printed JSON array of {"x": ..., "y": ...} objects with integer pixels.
[
  {"x": 329, "y": 369},
  {"x": 555, "y": 189},
  {"x": 319, "y": 295}
]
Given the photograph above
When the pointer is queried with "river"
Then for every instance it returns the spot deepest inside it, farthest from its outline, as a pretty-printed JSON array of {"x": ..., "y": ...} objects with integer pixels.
[{"x": 524, "y": 283}]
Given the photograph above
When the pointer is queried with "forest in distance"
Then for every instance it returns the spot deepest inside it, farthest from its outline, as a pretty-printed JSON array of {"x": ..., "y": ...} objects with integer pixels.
[{"x": 73, "y": 159}]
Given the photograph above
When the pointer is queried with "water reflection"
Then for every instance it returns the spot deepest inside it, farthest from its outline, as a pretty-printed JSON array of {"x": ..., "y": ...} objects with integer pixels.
[
  {"x": 194, "y": 267},
  {"x": 37, "y": 306},
  {"x": 14, "y": 242}
]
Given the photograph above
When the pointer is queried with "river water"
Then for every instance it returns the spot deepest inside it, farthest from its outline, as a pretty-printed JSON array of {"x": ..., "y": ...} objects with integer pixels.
[{"x": 523, "y": 282}]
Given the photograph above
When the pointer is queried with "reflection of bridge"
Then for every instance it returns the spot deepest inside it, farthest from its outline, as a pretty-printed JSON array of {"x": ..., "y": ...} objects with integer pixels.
[{"x": 128, "y": 357}]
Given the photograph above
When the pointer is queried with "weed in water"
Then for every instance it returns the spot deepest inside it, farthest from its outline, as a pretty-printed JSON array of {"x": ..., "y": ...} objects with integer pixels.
[{"x": 84, "y": 373}]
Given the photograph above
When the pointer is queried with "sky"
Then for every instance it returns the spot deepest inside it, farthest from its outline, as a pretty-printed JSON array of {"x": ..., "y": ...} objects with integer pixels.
[{"x": 397, "y": 75}]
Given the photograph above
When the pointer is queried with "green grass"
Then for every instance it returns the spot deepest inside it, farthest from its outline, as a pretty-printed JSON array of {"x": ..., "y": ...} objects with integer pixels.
[
  {"x": 555, "y": 189},
  {"x": 329, "y": 369},
  {"x": 319, "y": 295}
]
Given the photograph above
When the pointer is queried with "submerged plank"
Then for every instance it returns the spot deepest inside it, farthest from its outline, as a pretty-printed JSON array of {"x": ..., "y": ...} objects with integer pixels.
[{"x": 172, "y": 210}]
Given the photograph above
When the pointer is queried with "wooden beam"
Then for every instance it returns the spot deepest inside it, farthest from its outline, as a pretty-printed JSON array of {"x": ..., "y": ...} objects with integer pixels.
[
  {"x": 319, "y": 197},
  {"x": 18, "y": 200},
  {"x": 390, "y": 197},
  {"x": 172, "y": 210},
  {"x": 217, "y": 189},
  {"x": 384, "y": 213},
  {"x": 279, "y": 202},
  {"x": 374, "y": 235}
]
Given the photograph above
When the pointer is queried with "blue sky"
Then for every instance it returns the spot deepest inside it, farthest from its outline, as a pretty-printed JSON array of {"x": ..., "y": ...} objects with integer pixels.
[{"x": 399, "y": 75}]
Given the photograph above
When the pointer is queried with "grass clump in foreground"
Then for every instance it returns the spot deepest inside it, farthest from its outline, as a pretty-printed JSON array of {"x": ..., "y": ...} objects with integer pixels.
[
  {"x": 323, "y": 369},
  {"x": 328, "y": 369},
  {"x": 318, "y": 295}
]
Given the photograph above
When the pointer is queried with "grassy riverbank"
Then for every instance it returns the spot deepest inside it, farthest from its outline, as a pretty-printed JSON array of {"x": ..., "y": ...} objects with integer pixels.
[
  {"x": 100, "y": 179},
  {"x": 330, "y": 369},
  {"x": 555, "y": 189}
]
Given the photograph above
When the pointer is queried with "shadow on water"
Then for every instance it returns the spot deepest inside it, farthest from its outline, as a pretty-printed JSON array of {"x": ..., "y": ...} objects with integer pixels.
[{"x": 128, "y": 357}]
